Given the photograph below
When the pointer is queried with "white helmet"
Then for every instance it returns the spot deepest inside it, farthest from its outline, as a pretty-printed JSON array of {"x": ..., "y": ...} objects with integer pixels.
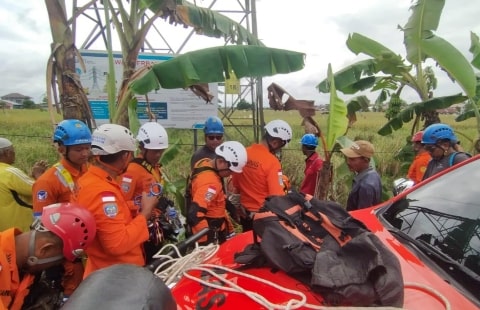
[
  {"x": 153, "y": 136},
  {"x": 233, "y": 152},
  {"x": 111, "y": 139},
  {"x": 279, "y": 129}
]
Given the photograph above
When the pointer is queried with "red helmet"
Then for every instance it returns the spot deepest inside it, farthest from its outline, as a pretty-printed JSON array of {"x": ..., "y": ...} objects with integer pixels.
[
  {"x": 417, "y": 137},
  {"x": 74, "y": 224}
]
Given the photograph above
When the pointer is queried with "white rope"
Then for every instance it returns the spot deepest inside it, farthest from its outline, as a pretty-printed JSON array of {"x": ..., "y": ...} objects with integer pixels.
[
  {"x": 431, "y": 291},
  {"x": 174, "y": 268},
  {"x": 233, "y": 287}
]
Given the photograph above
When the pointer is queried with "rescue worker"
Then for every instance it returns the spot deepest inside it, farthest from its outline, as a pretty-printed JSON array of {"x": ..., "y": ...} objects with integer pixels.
[
  {"x": 313, "y": 163},
  {"x": 58, "y": 184},
  {"x": 208, "y": 207},
  {"x": 441, "y": 143},
  {"x": 16, "y": 189},
  {"x": 422, "y": 157},
  {"x": 144, "y": 175},
  {"x": 213, "y": 135},
  {"x": 62, "y": 232},
  {"x": 262, "y": 175},
  {"x": 144, "y": 170},
  {"x": 119, "y": 237}
]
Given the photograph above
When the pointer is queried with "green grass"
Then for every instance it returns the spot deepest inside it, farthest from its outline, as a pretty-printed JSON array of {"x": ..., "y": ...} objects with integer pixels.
[{"x": 31, "y": 131}]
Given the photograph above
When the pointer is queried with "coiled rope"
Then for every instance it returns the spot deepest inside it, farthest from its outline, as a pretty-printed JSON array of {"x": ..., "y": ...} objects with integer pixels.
[{"x": 174, "y": 268}]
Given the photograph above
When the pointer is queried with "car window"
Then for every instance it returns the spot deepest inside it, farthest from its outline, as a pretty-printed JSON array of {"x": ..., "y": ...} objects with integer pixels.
[{"x": 444, "y": 213}]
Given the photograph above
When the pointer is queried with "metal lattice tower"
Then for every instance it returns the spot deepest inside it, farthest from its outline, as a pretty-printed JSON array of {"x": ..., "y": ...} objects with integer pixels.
[{"x": 89, "y": 30}]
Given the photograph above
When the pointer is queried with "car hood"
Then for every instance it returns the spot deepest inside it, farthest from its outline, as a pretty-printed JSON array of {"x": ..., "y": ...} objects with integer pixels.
[{"x": 424, "y": 289}]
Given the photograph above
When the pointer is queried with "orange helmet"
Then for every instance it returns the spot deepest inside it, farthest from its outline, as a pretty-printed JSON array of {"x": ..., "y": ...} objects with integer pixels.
[{"x": 417, "y": 137}]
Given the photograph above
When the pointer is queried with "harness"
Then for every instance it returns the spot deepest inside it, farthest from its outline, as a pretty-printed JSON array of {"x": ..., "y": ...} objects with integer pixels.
[{"x": 150, "y": 169}]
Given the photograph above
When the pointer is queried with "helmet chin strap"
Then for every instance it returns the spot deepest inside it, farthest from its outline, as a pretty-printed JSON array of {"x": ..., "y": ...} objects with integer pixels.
[{"x": 32, "y": 260}]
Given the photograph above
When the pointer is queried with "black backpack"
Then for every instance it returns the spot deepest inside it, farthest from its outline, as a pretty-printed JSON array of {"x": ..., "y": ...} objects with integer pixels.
[{"x": 320, "y": 244}]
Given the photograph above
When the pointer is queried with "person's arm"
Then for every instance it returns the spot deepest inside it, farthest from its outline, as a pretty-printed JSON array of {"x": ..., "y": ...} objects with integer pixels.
[
  {"x": 115, "y": 233},
  {"x": 19, "y": 182},
  {"x": 43, "y": 194}
]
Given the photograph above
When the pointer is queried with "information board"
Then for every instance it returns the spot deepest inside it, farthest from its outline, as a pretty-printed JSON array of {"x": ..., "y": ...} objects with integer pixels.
[{"x": 173, "y": 108}]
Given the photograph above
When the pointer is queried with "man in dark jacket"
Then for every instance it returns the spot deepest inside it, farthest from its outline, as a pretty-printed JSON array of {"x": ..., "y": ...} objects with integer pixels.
[{"x": 367, "y": 185}]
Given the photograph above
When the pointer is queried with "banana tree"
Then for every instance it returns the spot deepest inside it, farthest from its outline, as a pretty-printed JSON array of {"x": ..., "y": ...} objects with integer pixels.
[
  {"x": 337, "y": 126},
  {"x": 473, "y": 103},
  {"x": 390, "y": 74},
  {"x": 61, "y": 67},
  {"x": 132, "y": 29}
]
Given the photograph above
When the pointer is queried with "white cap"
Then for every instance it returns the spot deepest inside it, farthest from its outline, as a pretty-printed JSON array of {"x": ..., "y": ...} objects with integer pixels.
[{"x": 4, "y": 143}]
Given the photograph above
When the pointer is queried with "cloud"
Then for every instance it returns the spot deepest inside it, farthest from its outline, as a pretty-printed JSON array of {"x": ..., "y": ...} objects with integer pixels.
[{"x": 315, "y": 28}]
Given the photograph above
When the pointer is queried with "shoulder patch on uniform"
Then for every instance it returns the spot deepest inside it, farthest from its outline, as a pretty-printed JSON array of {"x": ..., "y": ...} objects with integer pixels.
[
  {"x": 42, "y": 195},
  {"x": 211, "y": 191},
  {"x": 126, "y": 183},
  {"x": 280, "y": 178},
  {"x": 110, "y": 209}
]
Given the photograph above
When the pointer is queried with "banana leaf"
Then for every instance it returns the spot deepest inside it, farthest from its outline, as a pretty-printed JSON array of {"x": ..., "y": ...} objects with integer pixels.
[
  {"x": 421, "y": 42},
  {"x": 214, "y": 64},
  {"x": 475, "y": 50},
  {"x": 205, "y": 21},
  {"x": 421, "y": 24},
  {"x": 407, "y": 114},
  {"x": 349, "y": 80},
  {"x": 337, "y": 122}
]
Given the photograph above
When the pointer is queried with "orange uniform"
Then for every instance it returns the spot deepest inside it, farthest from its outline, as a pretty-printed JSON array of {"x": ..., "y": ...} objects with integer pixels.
[
  {"x": 119, "y": 236},
  {"x": 12, "y": 290},
  {"x": 209, "y": 196},
  {"x": 261, "y": 177},
  {"x": 58, "y": 184},
  {"x": 418, "y": 167},
  {"x": 138, "y": 178}
]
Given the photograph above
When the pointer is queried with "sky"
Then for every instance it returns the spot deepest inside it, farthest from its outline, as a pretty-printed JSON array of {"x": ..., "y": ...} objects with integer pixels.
[{"x": 317, "y": 28}]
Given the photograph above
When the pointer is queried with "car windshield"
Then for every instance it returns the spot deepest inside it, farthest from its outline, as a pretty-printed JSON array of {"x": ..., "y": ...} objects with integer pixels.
[{"x": 443, "y": 217}]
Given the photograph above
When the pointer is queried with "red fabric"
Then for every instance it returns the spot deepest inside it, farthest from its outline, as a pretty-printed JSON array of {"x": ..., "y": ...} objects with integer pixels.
[{"x": 313, "y": 164}]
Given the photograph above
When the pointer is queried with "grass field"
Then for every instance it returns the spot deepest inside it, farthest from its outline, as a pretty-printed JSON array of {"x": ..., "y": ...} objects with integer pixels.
[{"x": 31, "y": 131}]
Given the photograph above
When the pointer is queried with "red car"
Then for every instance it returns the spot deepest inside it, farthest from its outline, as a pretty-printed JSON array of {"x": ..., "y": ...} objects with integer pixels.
[{"x": 432, "y": 228}]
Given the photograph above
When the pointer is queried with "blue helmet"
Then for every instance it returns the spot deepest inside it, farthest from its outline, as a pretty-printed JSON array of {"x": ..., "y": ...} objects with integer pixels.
[
  {"x": 72, "y": 132},
  {"x": 213, "y": 125},
  {"x": 436, "y": 132},
  {"x": 309, "y": 139}
]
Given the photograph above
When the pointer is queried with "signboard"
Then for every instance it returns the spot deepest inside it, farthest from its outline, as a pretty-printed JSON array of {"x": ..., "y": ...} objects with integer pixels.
[
  {"x": 173, "y": 108},
  {"x": 232, "y": 85}
]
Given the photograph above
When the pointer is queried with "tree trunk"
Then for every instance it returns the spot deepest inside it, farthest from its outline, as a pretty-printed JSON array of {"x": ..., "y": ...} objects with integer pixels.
[
  {"x": 73, "y": 99},
  {"x": 324, "y": 179},
  {"x": 431, "y": 117}
]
